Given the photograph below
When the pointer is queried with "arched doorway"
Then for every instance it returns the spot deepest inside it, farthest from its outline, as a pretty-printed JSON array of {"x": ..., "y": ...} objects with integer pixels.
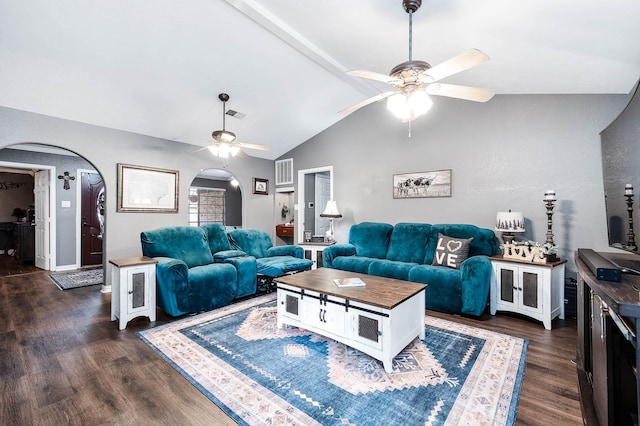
[
  {"x": 215, "y": 196},
  {"x": 60, "y": 172}
]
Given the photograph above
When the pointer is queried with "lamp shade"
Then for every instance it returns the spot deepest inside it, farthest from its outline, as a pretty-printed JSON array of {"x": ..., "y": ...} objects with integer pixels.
[
  {"x": 331, "y": 211},
  {"x": 510, "y": 221}
]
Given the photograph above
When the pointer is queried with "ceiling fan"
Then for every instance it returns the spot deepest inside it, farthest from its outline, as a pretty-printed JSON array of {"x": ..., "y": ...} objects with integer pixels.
[
  {"x": 416, "y": 80},
  {"x": 225, "y": 143}
]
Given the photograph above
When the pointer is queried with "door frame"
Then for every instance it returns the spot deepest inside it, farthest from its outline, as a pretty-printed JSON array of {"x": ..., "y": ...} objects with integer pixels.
[
  {"x": 52, "y": 211},
  {"x": 79, "y": 217},
  {"x": 300, "y": 206}
]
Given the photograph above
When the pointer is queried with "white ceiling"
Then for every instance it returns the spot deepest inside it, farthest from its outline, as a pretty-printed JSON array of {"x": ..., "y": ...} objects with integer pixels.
[{"x": 156, "y": 67}]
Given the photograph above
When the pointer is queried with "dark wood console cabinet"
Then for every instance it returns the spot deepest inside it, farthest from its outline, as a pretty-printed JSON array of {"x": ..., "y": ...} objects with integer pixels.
[
  {"x": 25, "y": 242},
  {"x": 607, "y": 360}
]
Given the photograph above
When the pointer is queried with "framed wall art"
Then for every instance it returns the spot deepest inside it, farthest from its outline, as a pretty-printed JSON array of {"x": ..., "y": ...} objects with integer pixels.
[
  {"x": 436, "y": 183},
  {"x": 261, "y": 186},
  {"x": 147, "y": 189}
]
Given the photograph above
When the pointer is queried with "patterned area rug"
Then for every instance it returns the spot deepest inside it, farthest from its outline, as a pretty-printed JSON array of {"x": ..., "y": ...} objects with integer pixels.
[
  {"x": 76, "y": 279},
  {"x": 259, "y": 374}
]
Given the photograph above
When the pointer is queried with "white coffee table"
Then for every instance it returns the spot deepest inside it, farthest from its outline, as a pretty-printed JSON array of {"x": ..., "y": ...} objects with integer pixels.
[{"x": 380, "y": 319}]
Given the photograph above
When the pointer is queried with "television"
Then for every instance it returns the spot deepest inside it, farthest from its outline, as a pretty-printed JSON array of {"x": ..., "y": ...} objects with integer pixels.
[{"x": 621, "y": 175}]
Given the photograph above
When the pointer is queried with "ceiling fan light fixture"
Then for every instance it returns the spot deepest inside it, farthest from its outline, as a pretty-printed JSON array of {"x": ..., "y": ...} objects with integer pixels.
[
  {"x": 234, "y": 149},
  {"x": 223, "y": 136},
  {"x": 408, "y": 107}
]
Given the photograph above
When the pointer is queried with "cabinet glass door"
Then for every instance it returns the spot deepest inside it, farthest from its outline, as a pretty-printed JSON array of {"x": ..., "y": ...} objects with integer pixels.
[
  {"x": 507, "y": 285},
  {"x": 137, "y": 279},
  {"x": 530, "y": 290}
]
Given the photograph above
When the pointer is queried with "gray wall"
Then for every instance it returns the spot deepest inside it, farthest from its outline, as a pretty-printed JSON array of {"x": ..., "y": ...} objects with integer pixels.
[
  {"x": 104, "y": 148},
  {"x": 504, "y": 154}
]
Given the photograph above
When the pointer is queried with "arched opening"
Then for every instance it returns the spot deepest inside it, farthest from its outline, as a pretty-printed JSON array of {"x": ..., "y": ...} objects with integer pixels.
[
  {"x": 215, "y": 196},
  {"x": 68, "y": 222}
]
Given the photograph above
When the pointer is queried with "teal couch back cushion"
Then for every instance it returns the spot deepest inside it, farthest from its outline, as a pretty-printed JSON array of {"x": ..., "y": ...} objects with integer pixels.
[
  {"x": 409, "y": 242},
  {"x": 484, "y": 240},
  {"x": 254, "y": 242},
  {"x": 371, "y": 239},
  {"x": 186, "y": 243},
  {"x": 217, "y": 235}
]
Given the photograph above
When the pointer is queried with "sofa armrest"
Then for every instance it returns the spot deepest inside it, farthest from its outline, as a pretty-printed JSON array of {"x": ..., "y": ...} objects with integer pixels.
[
  {"x": 476, "y": 279},
  {"x": 294, "y": 251},
  {"x": 336, "y": 250},
  {"x": 222, "y": 256},
  {"x": 172, "y": 281}
]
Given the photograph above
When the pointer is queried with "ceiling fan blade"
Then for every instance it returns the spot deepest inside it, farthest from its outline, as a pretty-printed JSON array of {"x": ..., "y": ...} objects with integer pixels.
[
  {"x": 201, "y": 148},
  {"x": 367, "y": 102},
  {"x": 254, "y": 146},
  {"x": 373, "y": 76},
  {"x": 461, "y": 92},
  {"x": 462, "y": 62}
]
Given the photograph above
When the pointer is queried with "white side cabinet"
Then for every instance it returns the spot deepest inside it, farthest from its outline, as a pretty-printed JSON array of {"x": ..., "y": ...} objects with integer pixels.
[
  {"x": 133, "y": 289},
  {"x": 532, "y": 289},
  {"x": 313, "y": 252}
]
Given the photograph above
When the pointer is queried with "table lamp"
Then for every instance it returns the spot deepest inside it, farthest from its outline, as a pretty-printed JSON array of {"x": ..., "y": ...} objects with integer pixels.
[
  {"x": 509, "y": 223},
  {"x": 331, "y": 212}
]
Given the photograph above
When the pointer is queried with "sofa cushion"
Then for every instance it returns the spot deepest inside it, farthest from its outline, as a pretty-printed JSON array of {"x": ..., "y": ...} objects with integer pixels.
[
  {"x": 358, "y": 264},
  {"x": 211, "y": 286},
  {"x": 371, "y": 239},
  {"x": 277, "y": 266},
  {"x": 451, "y": 252},
  {"x": 444, "y": 287},
  {"x": 408, "y": 242},
  {"x": 254, "y": 242},
  {"x": 187, "y": 243},
  {"x": 391, "y": 269},
  {"x": 484, "y": 240},
  {"x": 217, "y": 235}
]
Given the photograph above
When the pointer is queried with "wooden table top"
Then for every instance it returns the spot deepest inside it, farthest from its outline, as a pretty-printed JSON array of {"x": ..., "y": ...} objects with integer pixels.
[{"x": 386, "y": 293}]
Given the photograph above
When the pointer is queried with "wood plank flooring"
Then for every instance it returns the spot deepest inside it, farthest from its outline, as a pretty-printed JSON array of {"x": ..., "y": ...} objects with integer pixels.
[{"x": 62, "y": 361}]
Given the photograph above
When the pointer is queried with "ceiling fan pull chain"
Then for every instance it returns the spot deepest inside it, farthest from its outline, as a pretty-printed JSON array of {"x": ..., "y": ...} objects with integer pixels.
[{"x": 409, "y": 129}]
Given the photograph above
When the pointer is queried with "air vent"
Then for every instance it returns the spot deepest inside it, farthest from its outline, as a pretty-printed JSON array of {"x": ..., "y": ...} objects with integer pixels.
[
  {"x": 236, "y": 114},
  {"x": 284, "y": 172}
]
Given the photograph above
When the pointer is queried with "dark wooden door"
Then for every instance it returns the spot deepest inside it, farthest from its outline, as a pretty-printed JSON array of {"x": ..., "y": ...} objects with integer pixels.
[{"x": 92, "y": 217}]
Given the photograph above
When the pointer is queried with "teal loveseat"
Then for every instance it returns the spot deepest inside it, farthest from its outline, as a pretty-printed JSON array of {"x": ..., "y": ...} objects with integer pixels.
[
  {"x": 457, "y": 282},
  {"x": 196, "y": 270}
]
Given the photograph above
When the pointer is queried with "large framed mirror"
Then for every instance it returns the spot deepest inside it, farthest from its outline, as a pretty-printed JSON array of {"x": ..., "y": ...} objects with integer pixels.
[{"x": 315, "y": 189}]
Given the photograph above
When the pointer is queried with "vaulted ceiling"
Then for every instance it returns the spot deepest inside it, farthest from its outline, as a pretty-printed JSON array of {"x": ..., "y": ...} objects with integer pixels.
[{"x": 156, "y": 67}]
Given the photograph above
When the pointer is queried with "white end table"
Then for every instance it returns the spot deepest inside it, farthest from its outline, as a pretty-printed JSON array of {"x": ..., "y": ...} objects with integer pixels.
[
  {"x": 532, "y": 289},
  {"x": 133, "y": 289}
]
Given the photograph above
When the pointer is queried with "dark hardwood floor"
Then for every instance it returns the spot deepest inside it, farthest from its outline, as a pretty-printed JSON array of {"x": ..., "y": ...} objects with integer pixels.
[{"x": 62, "y": 361}]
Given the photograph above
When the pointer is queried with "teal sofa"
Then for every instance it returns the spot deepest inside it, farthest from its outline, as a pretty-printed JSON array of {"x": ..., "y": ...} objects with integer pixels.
[
  {"x": 196, "y": 270},
  {"x": 406, "y": 251}
]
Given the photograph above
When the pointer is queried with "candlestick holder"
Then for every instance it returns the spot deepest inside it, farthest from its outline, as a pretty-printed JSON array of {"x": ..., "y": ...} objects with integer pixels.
[
  {"x": 631, "y": 238},
  {"x": 549, "y": 202}
]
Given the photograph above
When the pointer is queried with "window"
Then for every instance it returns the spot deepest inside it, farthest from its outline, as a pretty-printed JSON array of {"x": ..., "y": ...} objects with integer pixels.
[{"x": 206, "y": 205}]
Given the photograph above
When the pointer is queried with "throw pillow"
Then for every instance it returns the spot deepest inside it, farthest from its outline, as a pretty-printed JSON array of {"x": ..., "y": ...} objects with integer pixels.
[{"x": 451, "y": 252}]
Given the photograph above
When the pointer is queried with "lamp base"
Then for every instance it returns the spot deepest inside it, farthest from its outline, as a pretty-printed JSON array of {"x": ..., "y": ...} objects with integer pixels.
[{"x": 508, "y": 237}]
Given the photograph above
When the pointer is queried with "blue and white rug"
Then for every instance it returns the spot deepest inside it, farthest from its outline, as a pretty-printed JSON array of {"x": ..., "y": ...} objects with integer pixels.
[{"x": 261, "y": 375}]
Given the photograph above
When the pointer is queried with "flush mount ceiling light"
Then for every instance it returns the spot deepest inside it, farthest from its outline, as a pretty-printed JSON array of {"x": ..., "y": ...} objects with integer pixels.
[
  {"x": 225, "y": 144},
  {"x": 415, "y": 80}
]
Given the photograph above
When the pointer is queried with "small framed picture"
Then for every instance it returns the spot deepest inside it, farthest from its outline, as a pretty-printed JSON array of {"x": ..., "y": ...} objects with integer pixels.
[{"x": 261, "y": 186}]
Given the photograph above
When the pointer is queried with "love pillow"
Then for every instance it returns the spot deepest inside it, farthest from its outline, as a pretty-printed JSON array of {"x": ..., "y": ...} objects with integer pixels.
[{"x": 451, "y": 252}]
